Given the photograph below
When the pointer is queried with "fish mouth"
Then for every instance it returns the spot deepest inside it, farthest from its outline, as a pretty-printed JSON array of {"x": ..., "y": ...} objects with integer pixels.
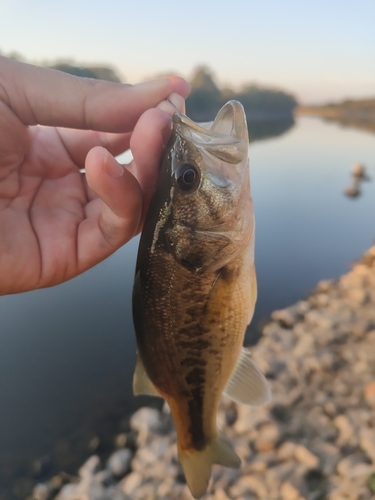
[
  {"x": 226, "y": 138},
  {"x": 181, "y": 119}
]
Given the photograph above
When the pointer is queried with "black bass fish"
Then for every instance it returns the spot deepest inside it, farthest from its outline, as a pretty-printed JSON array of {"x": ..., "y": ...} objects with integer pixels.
[{"x": 195, "y": 288}]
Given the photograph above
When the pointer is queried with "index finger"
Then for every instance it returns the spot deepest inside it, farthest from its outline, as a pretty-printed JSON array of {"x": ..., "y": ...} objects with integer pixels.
[{"x": 43, "y": 96}]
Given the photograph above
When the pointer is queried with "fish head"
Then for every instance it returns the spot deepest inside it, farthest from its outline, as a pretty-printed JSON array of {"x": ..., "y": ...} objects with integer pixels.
[{"x": 210, "y": 219}]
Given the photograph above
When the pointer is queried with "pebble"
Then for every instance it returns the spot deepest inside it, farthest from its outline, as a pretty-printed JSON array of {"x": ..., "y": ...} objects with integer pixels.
[
  {"x": 146, "y": 418},
  {"x": 41, "y": 492},
  {"x": 89, "y": 468},
  {"x": 304, "y": 456},
  {"x": 367, "y": 442},
  {"x": 289, "y": 492},
  {"x": 131, "y": 482},
  {"x": 314, "y": 441},
  {"x": 119, "y": 462},
  {"x": 267, "y": 438}
]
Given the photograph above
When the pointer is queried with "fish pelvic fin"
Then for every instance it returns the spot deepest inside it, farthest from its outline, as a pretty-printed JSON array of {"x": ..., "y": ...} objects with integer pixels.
[
  {"x": 141, "y": 382},
  {"x": 247, "y": 384},
  {"x": 197, "y": 464}
]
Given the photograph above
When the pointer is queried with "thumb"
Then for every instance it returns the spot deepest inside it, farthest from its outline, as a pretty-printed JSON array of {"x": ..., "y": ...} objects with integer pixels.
[{"x": 113, "y": 218}]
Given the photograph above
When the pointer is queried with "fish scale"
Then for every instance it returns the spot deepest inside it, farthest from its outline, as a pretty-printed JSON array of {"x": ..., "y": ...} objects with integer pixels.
[{"x": 195, "y": 288}]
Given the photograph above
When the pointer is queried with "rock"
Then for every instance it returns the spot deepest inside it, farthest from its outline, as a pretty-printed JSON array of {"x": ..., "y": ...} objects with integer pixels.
[
  {"x": 165, "y": 487},
  {"x": 314, "y": 441},
  {"x": 304, "y": 456},
  {"x": 144, "y": 492},
  {"x": 103, "y": 477},
  {"x": 131, "y": 482},
  {"x": 286, "y": 451},
  {"x": 148, "y": 419},
  {"x": 363, "y": 470},
  {"x": 357, "y": 296},
  {"x": 41, "y": 492},
  {"x": 289, "y": 316},
  {"x": 367, "y": 443},
  {"x": 289, "y": 492},
  {"x": 267, "y": 438},
  {"x": 89, "y": 468},
  {"x": 346, "y": 430},
  {"x": 250, "y": 484},
  {"x": 286, "y": 317},
  {"x": 119, "y": 462},
  {"x": 68, "y": 492},
  {"x": 345, "y": 466},
  {"x": 220, "y": 495},
  {"x": 329, "y": 455},
  {"x": 279, "y": 473},
  {"x": 359, "y": 170},
  {"x": 353, "y": 190}
]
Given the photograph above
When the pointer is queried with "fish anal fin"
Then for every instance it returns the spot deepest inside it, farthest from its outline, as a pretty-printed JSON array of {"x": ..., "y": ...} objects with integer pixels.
[
  {"x": 141, "y": 382},
  {"x": 197, "y": 464},
  {"x": 247, "y": 384}
]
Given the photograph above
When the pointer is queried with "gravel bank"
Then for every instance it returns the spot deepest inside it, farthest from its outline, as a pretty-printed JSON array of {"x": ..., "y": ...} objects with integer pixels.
[{"x": 315, "y": 440}]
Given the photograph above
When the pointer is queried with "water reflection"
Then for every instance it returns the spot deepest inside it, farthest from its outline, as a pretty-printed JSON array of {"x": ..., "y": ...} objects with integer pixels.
[
  {"x": 264, "y": 129},
  {"x": 359, "y": 175},
  {"x": 67, "y": 354}
]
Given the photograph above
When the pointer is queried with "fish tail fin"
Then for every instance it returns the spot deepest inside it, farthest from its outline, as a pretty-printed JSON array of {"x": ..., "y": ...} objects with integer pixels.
[{"x": 197, "y": 464}]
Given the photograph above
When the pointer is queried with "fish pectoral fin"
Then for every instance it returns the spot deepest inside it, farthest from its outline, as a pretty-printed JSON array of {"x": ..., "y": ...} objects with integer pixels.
[
  {"x": 141, "y": 382},
  {"x": 247, "y": 384},
  {"x": 197, "y": 464}
]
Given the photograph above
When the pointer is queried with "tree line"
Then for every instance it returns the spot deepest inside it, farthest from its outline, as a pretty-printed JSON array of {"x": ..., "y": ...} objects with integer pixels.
[{"x": 261, "y": 104}]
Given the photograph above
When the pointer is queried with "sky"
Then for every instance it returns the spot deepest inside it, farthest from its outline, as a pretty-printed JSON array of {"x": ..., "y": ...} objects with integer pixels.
[{"x": 322, "y": 50}]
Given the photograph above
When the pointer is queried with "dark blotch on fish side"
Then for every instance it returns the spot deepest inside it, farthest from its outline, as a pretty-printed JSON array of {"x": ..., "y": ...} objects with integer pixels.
[
  {"x": 196, "y": 418},
  {"x": 196, "y": 376},
  {"x": 193, "y": 361},
  {"x": 196, "y": 344}
]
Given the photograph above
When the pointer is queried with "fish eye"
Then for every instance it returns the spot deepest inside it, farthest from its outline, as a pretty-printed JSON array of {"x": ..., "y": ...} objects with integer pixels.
[{"x": 187, "y": 177}]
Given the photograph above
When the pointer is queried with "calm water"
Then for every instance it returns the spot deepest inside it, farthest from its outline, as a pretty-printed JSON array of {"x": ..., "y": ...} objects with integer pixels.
[{"x": 67, "y": 354}]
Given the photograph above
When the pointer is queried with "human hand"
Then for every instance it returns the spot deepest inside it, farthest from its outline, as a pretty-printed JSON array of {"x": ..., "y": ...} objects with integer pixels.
[{"x": 53, "y": 223}]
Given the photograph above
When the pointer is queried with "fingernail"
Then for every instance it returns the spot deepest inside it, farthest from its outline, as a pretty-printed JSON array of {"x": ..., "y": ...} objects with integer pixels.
[
  {"x": 113, "y": 167},
  {"x": 180, "y": 83}
]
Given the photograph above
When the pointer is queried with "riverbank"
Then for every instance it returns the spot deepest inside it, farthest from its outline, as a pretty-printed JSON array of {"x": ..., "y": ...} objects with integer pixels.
[
  {"x": 350, "y": 113},
  {"x": 315, "y": 440}
]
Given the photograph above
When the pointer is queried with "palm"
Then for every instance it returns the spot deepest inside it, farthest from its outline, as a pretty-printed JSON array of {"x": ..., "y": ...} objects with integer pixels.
[{"x": 47, "y": 200}]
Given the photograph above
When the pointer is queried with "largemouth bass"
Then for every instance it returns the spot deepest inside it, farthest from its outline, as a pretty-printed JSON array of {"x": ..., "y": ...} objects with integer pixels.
[{"x": 195, "y": 288}]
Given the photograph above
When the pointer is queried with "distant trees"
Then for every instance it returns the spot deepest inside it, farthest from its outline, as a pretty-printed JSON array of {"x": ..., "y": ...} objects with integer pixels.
[
  {"x": 265, "y": 102},
  {"x": 358, "y": 113},
  {"x": 97, "y": 72},
  {"x": 260, "y": 103},
  {"x": 205, "y": 97}
]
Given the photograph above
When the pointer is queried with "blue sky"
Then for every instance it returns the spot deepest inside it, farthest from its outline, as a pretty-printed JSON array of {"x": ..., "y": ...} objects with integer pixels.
[{"x": 319, "y": 50}]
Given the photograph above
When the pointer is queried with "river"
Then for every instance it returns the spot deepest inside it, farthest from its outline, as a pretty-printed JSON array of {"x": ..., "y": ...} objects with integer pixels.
[{"x": 67, "y": 353}]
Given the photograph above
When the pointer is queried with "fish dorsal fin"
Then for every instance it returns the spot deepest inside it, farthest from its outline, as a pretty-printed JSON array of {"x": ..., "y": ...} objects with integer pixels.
[
  {"x": 247, "y": 384},
  {"x": 141, "y": 382}
]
